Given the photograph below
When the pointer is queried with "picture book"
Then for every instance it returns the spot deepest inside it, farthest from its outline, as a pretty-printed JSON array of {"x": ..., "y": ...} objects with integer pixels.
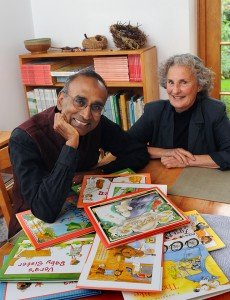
[
  {"x": 62, "y": 262},
  {"x": 95, "y": 187},
  {"x": 45, "y": 291},
  {"x": 206, "y": 234},
  {"x": 117, "y": 189},
  {"x": 72, "y": 222},
  {"x": 77, "y": 186},
  {"x": 136, "y": 266},
  {"x": 189, "y": 272},
  {"x": 133, "y": 216}
]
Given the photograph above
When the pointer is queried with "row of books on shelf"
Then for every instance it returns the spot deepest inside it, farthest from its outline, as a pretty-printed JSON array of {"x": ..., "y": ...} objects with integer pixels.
[
  {"x": 40, "y": 99},
  {"x": 124, "y": 108},
  {"x": 144, "y": 246},
  {"x": 111, "y": 68}
]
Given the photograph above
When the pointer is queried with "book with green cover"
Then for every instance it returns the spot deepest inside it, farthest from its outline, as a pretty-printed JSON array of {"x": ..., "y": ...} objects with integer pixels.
[{"x": 62, "y": 262}]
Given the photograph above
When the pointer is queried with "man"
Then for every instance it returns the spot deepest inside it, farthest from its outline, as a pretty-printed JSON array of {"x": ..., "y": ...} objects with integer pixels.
[{"x": 47, "y": 150}]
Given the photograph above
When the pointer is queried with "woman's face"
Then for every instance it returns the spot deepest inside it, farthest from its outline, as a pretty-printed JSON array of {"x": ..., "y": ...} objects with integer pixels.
[{"x": 182, "y": 87}]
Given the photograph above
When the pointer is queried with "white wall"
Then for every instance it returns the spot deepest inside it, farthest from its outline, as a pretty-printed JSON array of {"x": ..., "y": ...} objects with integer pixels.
[
  {"x": 169, "y": 24},
  {"x": 16, "y": 25}
]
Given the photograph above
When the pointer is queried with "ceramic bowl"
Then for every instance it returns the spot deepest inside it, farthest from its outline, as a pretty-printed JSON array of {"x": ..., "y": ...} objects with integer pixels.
[{"x": 38, "y": 45}]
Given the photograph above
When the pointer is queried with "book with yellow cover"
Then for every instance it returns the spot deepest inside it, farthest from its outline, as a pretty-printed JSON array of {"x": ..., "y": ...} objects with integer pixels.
[
  {"x": 189, "y": 272},
  {"x": 206, "y": 234}
]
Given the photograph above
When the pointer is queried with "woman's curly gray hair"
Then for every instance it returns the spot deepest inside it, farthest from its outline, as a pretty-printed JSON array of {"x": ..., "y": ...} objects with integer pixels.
[{"x": 203, "y": 75}]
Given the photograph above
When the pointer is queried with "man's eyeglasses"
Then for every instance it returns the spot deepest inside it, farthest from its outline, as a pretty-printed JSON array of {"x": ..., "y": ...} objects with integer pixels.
[{"x": 80, "y": 103}]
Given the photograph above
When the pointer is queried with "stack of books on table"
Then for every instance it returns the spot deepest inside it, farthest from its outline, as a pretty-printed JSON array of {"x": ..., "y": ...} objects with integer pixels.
[
  {"x": 144, "y": 245},
  {"x": 113, "y": 68}
]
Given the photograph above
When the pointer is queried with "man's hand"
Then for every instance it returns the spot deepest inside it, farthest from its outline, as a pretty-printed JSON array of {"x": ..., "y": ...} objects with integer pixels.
[
  {"x": 69, "y": 133},
  {"x": 179, "y": 154}
]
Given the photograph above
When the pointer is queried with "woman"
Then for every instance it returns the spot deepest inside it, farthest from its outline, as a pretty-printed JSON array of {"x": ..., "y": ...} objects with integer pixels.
[{"x": 189, "y": 129}]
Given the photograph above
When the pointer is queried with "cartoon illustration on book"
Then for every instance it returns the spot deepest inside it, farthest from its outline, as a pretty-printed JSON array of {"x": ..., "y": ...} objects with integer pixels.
[
  {"x": 95, "y": 188},
  {"x": 136, "y": 264},
  {"x": 206, "y": 234},
  {"x": 189, "y": 271},
  {"x": 66, "y": 259},
  {"x": 135, "y": 215},
  {"x": 72, "y": 222}
]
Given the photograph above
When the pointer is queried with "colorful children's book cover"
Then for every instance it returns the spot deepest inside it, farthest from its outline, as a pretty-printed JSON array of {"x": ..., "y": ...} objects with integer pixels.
[
  {"x": 62, "y": 262},
  {"x": 72, "y": 222},
  {"x": 189, "y": 272},
  {"x": 125, "y": 218},
  {"x": 206, "y": 234},
  {"x": 117, "y": 189},
  {"x": 136, "y": 266},
  {"x": 46, "y": 291},
  {"x": 95, "y": 187}
]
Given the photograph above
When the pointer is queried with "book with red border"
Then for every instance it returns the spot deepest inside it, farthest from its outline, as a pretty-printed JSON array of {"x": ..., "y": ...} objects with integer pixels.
[
  {"x": 134, "y": 216},
  {"x": 71, "y": 223},
  {"x": 95, "y": 187}
]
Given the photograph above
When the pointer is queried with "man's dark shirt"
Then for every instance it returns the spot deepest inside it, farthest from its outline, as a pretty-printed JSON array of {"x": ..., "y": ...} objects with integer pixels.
[{"x": 44, "y": 188}]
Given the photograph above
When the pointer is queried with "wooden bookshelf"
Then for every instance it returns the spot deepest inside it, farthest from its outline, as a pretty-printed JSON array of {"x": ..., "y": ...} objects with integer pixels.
[{"x": 148, "y": 87}]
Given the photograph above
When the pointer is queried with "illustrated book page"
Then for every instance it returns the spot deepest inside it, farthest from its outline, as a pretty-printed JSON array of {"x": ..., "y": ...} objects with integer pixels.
[
  {"x": 202, "y": 229},
  {"x": 72, "y": 222},
  {"x": 136, "y": 266},
  {"x": 189, "y": 272},
  {"x": 95, "y": 187},
  {"x": 62, "y": 262},
  {"x": 117, "y": 189},
  {"x": 125, "y": 218}
]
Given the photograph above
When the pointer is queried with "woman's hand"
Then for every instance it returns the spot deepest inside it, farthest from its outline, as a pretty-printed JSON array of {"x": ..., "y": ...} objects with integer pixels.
[
  {"x": 172, "y": 162},
  {"x": 180, "y": 155},
  {"x": 69, "y": 133}
]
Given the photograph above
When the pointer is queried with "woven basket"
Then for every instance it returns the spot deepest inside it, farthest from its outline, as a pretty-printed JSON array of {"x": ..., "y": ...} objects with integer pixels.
[{"x": 97, "y": 42}]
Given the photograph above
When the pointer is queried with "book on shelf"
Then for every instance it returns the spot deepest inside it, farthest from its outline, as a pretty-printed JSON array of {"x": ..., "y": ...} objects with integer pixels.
[
  {"x": 189, "y": 272},
  {"x": 70, "y": 69},
  {"x": 133, "y": 216},
  {"x": 118, "y": 189},
  {"x": 123, "y": 112},
  {"x": 38, "y": 72},
  {"x": 135, "y": 266},
  {"x": 205, "y": 233},
  {"x": 95, "y": 188},
  {"x": 62, "y": 262},
  {"x": 71, "y": 223}
]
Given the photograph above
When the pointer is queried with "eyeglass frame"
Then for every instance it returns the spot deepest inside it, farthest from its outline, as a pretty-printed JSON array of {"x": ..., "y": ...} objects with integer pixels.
[{"x": 93, "y": 112}]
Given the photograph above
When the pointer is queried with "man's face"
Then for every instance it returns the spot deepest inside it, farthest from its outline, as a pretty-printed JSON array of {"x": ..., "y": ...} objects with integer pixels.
[{"x": 89, "y": 93}]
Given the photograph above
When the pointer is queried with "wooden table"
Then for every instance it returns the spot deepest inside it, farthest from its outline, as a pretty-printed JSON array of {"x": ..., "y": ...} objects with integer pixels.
[
  {"x": 4, "y": 138},
  {"x": 161, "y": 175}
]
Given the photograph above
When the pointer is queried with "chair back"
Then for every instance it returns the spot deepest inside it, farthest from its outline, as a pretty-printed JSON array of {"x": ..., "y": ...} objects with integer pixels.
[{"x": 5, "y": 202}]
